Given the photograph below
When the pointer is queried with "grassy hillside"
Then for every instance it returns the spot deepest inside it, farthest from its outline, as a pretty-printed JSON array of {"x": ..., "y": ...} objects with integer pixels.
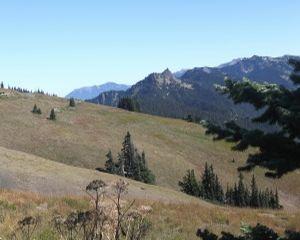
[
  {"x": 44, "y": 188},
  {"x": 83, "y": 135},
  {"x": 28, "y": 173}
]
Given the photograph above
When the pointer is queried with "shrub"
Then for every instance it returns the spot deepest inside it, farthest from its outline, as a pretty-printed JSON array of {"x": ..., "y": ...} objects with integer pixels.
[{"x": 72, "y": 102}]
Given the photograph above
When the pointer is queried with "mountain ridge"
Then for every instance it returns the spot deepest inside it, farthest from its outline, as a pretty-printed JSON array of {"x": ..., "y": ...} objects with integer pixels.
[
  {"x": 88, "y": 92},
  {"x": 193, "y": 93}
]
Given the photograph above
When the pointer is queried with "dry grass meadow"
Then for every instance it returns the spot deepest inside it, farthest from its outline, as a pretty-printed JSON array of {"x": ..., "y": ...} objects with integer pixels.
[{"x": 46, "y": 165}]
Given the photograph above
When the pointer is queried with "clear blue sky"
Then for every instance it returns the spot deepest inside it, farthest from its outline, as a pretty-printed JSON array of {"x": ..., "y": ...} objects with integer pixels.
[{"x": 59, "y": 45}]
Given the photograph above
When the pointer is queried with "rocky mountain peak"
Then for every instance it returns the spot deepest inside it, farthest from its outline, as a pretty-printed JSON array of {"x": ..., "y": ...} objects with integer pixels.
[{"x": 167, "y": 73}]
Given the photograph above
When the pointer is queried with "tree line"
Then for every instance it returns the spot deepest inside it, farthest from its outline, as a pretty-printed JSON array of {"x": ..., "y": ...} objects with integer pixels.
[
  {"x": 130, "y": 163},
  {"x": 210, "y": 188},
  {"x": 24, "y": 90},
  {"x": 129, "y": 104}
]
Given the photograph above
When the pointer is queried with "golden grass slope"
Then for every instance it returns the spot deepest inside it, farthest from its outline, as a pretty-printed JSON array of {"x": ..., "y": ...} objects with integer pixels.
[
  {"x": 81, "y": 136},
  {"x": 28, "y": 173},
  {"x": 41, "y": 187}
]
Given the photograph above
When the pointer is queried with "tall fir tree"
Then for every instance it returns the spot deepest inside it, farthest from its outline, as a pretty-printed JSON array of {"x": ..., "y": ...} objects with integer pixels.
[
  {"x": 241, "y": 192},
  {"x": 254, "y": 193},
  {"x": 110, "y": 165},
  {"x": 131, "y": 163},
  {"x": 189, "y": 184},
  {"x": 120, "y": 166},
  {"x": 128, "y": 154}
]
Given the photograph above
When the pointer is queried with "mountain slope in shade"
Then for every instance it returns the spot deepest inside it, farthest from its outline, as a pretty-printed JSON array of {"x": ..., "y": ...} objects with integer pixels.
[
  {"x": 194, "y": 92},
  {"x": 261, "y": 69},
  {"x": 93, "y": 91}
]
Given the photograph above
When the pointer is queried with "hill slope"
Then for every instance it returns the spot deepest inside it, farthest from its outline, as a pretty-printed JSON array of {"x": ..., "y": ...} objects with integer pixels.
[
  {"x": 51, "y": 187},
  {"x": 82, "y": 136},
  {"x": 26, "y": 172}
]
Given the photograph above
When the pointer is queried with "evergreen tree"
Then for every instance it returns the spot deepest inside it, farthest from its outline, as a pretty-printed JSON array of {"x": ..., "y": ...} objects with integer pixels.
[
  {"x": 128, "y": 153},
  {"x": 36, "y": 110},
  {"x": 206, "y": 183},
  {"x": 280, "y": 150},
  {"x": 137, "y": 166},
  {"x": 146, "y": 174},
  {"x": 2, "y": 85},
  {"x": 132, "y": 164},
  {"x": 241, "y": 192},
  {"x": 52, "y": 115},
  {"x": 189, "y": 184},
  {"x": 218, "y": 194},
  {"x": 210, "y": 188},
  {"x": 110, "y": 165},
  {"x": 189, "y": 118},
  {"x": 254, "y": 193},
  {"x": 228, "y": 196},
  {"x": 120, "y": 165},
  {"x": 72, "y": 102}
]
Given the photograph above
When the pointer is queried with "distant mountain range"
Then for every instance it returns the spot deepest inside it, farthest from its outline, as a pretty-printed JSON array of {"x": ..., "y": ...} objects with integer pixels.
[
  {"x": 193, "y": 92},
  {"x": 94, "y": 91}
]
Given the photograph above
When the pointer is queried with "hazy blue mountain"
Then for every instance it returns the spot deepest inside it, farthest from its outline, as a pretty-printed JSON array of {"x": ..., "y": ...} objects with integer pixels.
[
  {"x": 94, "y": 91},
  {"x": 180, "y": 73},
  {"x": 194, "y": 93}
]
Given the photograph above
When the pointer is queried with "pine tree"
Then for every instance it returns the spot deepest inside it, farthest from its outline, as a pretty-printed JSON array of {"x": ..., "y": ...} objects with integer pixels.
[
  {"x": 132, "y": 164},
  {"x": 2, "y": 85},
  {"x": 189, "y": 118},
  {"x": 110, "y": 165},
  {"x": 120, "y": 166},
  {"x": 206, "y": 183},
  {"x": 210, "y": 187},
  {"x": 72, "y": 102},
  {"x": 189, "y": 184},
  {"x": 146, "y": 174},
  {"x": 52, "y": 115},
  {"x": 218, "y": 194},
  {"x": 241, "y": 191},
  {"x": 137, "y": 166},
  {"x": 36, "y": 110},
  {"x": 254, "y": 193},
  {"x": 228, "y": 196},
  {"x": 280, "y": 150},
  {"x": 128, "y": 153}
]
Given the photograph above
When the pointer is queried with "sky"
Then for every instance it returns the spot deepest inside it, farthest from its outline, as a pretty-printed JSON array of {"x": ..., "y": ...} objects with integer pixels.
[{"x": 60, "y": 45}]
